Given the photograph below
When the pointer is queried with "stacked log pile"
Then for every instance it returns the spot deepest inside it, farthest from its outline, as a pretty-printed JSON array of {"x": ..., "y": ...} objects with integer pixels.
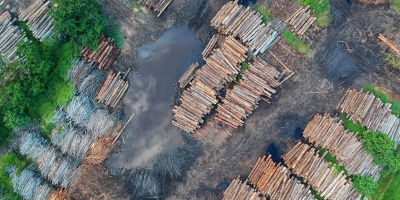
[
  {"x": 258, "y": 82},
  {"x": 389, "y": 43},
  {"x": 301, "y": 20},
  {"x": 37, "y": 19},
  {"x": 10, "y": 36},
  {"x": 210, "y": 46},
  {"x": 105, "y": 56},
  {"x": 246, "y": 24},
  {"x": 305, "y": 162},
  {"x": 189, "y": 75},
  {"x": 157, "y": 5},
  {"x": 113, "y": 88},
  {"x": 29, "y": 184},
  {"x": 329, "y": 133},
  {"x": 239, "y": 190},
  {"x": 276, "y": 182},
  {"x": 369, "y": 111},
  {"x": 86, "y": 78}
]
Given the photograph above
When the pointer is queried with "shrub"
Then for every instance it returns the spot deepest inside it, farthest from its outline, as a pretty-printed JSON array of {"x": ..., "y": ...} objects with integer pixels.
[
  {"x": 265, "y": 14},
  {"x": 296, "y": 43},
  {"x": 352, "y": 127},
  {"x": 364, "y": 185}
]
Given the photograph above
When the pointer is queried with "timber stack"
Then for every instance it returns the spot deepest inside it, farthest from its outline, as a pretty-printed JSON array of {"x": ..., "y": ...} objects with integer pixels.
[
  {"x": 328, "y": 132},
  {"x": 239, "y": 190},
  {"x": 276, "y": 182},
  {"x": 258, "y": 82},
  {"x": 389, "y": 43},
  {"x": 210, "y": 46},
  {"x": 113, "y": 88},
  {"x": 37, "y": 19},
  {"x": 369, "y": 111},
  {"x": 305, "y": 162},
  {"x": 245, "y": 24},
  {"x": 157, "y": 5},
  {"x": 10, "y": 36},
  {"x": 301, "y": 20},
  {"x": 189, "y": 75},
  {"x": 105, "y": 56}
]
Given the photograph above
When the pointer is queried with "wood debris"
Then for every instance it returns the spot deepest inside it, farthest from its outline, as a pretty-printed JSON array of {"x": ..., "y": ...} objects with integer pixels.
[
  {"x": 105, "y": 56},
  {"x": 305, "y": 162},
  {"x": 258, "y": 82},
  {"x": 189, "y": 75},
  {"x": 301, "y": 20},
  {"x": 210, "y": 46},
  {"x": 239, "y": 190},
  {"x": 245, "y": 24},
  {"x": 389, "y": 43},
  {"x": 113, "y": 88},
  {"x": 276, "y": 182},
  {"x": 369, "y": 111},
  {"x": 157, "y": 5},
  {"x": 329, "y": 133},
  {"x": 37, "y": 19},
  {"x": 10, "y": 36}
]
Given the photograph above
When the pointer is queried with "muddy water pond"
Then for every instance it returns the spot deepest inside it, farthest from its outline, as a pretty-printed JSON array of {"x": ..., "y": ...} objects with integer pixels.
[{"x": 150, "y": 96}]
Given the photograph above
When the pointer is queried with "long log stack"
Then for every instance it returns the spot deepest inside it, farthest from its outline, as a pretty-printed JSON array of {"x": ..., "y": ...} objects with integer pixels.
[
  {"x": 329, "y": 133},
  {"x": 389, "y": 43},
  {"x": 113, "y": 88},
  {"x": 305, "y": 162},
  {"x": 189, "y": 75},
  {"x": 239, "y": 190},
  {"x": 37, "y": 19},
  {"x": 258, "y": 82},
  {"x": 246, "y": 24},
  {"x": 105, "y": 56},
  {"x": 157, "y": 5},
  {"x": 369, "y": 111},
  {"x": 210, "y": 46},
  {"x": 276, "y": 182},
  {"x": 10, "y": 36},
  {"x": 301, "y": 20}
]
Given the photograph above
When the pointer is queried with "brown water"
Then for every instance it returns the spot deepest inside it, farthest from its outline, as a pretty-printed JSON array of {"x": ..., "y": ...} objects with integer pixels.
[{"x": 150, "y": 96}]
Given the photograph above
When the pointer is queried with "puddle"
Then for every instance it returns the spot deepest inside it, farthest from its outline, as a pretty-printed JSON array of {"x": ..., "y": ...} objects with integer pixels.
[{"x": 150, "y": 95}]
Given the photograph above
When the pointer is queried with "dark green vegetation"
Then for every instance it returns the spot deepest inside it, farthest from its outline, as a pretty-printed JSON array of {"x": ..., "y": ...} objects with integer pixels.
[
  {"x": 10, "y": 159},
  {"x": 263, "y": 10},
  {"x": 352, "y": 127},
  {"x": 364, "y": 185},
  {"x": 245, "y": 66},
  {"x": 385, "y": 98},
  {"x": 321, "y": 10},
  {"x": 113, "y": 31},
  {"x": 296, "y": 43}
]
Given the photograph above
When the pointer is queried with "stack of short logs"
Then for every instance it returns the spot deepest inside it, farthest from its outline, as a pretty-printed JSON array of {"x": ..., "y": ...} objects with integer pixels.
[
  {"x": 105, "y": 56},
  {"x": 10, "y": 36},
  {"x": 113, "y": 89},
  {"x": 157, "y": 5},
  {"x": 210, "y": 46},
  {"x": 389, "y": 43},
  {"x": 246, "y": 24},
  {"x": 189, "y": 75},
  {"x": 301, "y": 20},
  {"x": 258, "y": 82},
  {"x": 369, "y": 111},
  {"x": 37, "y": 19},
  {"x": 328, "y": 132},
  {"x": 305, "y": 162},
  {"x": 239, "y": 190}
]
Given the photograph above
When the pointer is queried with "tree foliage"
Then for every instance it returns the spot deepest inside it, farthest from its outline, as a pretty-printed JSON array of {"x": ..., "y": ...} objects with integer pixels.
[
  {"x": 365, "y": 185},
  {"x": 78, "y": 21}
]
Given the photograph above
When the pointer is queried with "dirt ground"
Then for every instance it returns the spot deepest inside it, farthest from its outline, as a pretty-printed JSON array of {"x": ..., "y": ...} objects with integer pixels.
[{"x": 317, "y": 86}]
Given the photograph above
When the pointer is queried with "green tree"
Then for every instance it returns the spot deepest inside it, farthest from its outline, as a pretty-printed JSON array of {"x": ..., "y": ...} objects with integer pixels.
[
  {"x": 78, "y": 21},
  {"x": 365, "y": 185}
]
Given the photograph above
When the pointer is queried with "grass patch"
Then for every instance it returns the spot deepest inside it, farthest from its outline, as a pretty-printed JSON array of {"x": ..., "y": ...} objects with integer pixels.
[
  {"x": 245, "y": 66},
  {"x": 114, "y": 31},
  {"x": 388, "y": 187},
  {"x": 265, "y": 14},
  {"x": 137, "y": 6},
  {"x": 385, "y": 98},
  {"x": 391, "y": 60},
  {"x": 334, "y": 162},
  {"x": 321, "y": 10},
  {"x": 352, "y": 127},
  {"x": 396, "y": 5},
  {"x": 316, "y": 195},
  {"x": 296, "y": 43}
]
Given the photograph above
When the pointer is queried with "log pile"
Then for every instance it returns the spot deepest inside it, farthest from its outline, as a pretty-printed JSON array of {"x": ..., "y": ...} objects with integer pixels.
[
  {"x": 245, "y": 24},
  {"x": 258, "y": 82},
  {"x": 239, "y": 190},
  {"x": 113, "y": 88},
  {"x": 189, "y": 75},
  {"x": 369, "y": 111},
  {"x": 29, "y": 184},
  {"x": 301, "y": 20},
  {"x": 210, "y": 46},
  {"x": 389, "y": 43},
  {"x": 276, "y": 182},
  {"x": 305, "y": 162},
  {"x": 37, "y": 19},
  {"x": 105, "y": 56},
  {"x": 157, "y": 5},
  {"x": 329, "y": 133},
  {"x": 10, "y": 36}
]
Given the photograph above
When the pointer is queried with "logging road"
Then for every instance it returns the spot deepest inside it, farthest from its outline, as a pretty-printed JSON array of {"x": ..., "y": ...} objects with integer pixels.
[{"x": 151, "y": 133}]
